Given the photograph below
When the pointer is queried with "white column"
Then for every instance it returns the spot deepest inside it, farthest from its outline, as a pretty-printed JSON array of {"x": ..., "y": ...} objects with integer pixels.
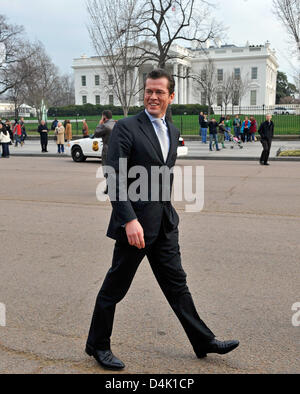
[
  {"x": 180, "y": 84},
  {"x": 136, "y": 81},
  {"x": 175, "y": 73},
  {"x": 184, "y": 72}
]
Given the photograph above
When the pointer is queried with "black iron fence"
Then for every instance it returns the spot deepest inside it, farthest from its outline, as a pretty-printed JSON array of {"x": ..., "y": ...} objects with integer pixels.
[{"x": 286, "y": 119}]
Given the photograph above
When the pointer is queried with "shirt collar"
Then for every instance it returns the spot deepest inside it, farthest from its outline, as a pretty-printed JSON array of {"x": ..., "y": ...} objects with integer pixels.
[{"x": 153, "y": 119}]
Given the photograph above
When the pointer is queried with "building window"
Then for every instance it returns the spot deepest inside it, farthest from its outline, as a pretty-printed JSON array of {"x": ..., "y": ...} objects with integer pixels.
[
  {"x": 97, "y": 100},
  {"x": 219, "y": 98},
  {"x": 203, "y": 75},
  {"x": 84, "y": 100},
  {"x": 111, "y": 99},
  {"x": 254, "y": 73},
  {"x": 110, "y": 79},
  {"x": 83, "y": 80},
  {"x": 97, "y": 80},
  {"x": 220, "y": 75},
  {"x": 203, "y": 98},
  {"x": 253, "y": 98},
  {"x": 237, "y": 74}
]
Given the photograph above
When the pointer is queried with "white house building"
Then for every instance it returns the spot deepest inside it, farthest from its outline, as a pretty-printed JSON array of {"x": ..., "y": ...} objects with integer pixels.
[{"x": 256, "y": 64}]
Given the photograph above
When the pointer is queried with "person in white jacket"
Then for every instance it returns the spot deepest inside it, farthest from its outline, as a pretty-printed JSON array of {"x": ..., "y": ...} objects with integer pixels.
[{"x": 5, "y": 141}]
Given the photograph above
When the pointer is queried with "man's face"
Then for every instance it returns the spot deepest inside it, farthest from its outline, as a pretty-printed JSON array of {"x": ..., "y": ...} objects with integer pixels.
[
  {"x": 269, "y": 117},
  {"x": 157, "y": 97}
]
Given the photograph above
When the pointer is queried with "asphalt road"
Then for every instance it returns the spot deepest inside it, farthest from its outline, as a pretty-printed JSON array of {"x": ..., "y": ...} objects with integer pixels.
[{"x": 241, "y": 254}]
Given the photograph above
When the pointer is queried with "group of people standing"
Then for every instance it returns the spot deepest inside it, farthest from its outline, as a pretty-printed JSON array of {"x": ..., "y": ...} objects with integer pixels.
[
  {"x": 62, "y": 134},
  {"x": 12, "y": 133},
  {"x": 222, "y": 131}
]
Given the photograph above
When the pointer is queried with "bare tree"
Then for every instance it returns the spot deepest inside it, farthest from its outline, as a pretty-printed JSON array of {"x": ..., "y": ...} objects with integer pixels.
[
  {"x": 240, "y": 87},
  {"x": 165, "y": 23},
  {"x": 288, "y": 12},
  {"x": 207, "y": 83},
  {"x": 42, "y": 81},
  {"x": 113, "y": 39},
  {"x": 17, "y": 50},
  {"x": 227, "y": 89}
]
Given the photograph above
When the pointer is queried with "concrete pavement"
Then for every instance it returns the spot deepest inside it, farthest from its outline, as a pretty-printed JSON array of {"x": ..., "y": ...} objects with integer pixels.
[
  {"x": 197, "y": 150},
  {"x": 241, "y": 255}
]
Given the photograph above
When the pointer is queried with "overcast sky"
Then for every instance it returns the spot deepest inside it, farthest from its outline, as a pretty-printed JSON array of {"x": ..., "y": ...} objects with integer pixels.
[{"x": 61, "y": 26}]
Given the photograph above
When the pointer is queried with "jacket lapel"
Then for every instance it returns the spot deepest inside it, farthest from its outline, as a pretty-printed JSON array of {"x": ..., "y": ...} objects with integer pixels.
[
  {"x": 173, "y": 141},
  {"x": 147, "y": 128}
]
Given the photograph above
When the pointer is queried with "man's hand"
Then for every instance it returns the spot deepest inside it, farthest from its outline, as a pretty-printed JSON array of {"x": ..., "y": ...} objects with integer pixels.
[{"x": 135, "y": 234}]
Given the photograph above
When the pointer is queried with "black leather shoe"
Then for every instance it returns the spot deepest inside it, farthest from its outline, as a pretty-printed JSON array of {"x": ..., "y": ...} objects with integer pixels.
[
  {"x": 215, "y": 346},
  {"x": 261, "y": 163},
  {"x": 105, "y": 358},
  {"x": 266, "y": 164}
]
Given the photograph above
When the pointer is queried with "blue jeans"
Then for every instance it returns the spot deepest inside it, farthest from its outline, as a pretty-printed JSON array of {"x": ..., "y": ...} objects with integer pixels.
[
  {"x": 204, "y": 135},
  {"x": 237, "y": 132},
  {"x": 61, "y": 148},
  {"x": 227, "y": 132},
  {"x": 5, "y": 149},
  {"x": 211, "y": 138},
  {"x": 17, "y": 140}
]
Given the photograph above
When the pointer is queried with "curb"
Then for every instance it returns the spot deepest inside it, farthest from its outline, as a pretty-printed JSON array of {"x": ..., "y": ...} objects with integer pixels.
[{"x": 188, "y": 158}]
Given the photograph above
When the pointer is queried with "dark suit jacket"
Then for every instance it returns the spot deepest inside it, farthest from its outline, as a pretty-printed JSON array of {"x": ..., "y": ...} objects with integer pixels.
[
  {"x": 104, "y": 131},
  {"x": 266, "y": 130},
  {"x": 135, "y": 139}
]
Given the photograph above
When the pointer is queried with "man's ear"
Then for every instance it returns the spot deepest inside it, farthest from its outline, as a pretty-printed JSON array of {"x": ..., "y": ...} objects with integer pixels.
[{"x": 171, "y": 98}]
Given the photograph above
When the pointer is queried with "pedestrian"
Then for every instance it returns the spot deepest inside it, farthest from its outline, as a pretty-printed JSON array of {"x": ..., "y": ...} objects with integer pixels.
[
  {"x": 23, "y": 131},
  {"x": 4, "y": 140},
  {"x": 253, "y": 128},
  {"x": 146, "y": 228},
  {"x": 213, "y": 134},
  {"x": 43, "y": 130},
  {"x": 69, "y": 134},
  {"x": 237, "y": 126},
  {"x": 85, "y": 129},
  {"x": 54, "y": 124},
  {"x": 9, "y": 129},
  {"x": 60, "y": 138},
  {"x": 228, "y": 127},
  {"x": 104, "y": 130},
  {"x": 266, "y": 132},
  {"x": 203, "y": 128},
  {"x": 221, "y": 135},
  {"x": 245, "y": 129},
  {"x": 17, "y": 132}
]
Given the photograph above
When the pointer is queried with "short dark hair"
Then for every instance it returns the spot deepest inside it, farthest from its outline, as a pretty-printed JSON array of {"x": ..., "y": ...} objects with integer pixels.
[
  {"x": 107, "y": 114},
  {"x": 160, "y": 73}
]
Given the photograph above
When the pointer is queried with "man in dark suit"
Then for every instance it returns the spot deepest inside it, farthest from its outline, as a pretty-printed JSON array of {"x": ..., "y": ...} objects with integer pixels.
[
  {"x": 266, "y": 132},
  {"x": 146, "y": 226}
]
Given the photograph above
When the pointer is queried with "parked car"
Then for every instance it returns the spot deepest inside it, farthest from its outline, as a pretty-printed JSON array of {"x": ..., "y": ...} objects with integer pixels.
[
  {"x": 284, "y": 111},
  {"x": 92, "y": 147}
]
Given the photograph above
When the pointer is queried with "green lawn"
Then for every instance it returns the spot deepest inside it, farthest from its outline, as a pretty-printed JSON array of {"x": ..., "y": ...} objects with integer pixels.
[{"x": 188, "y": 124}]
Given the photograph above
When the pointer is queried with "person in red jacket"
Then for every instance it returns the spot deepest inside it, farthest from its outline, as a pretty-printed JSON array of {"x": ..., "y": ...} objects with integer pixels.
[
  {"x": 253, "y": 128},
  {"x": 17, "y": 132}
]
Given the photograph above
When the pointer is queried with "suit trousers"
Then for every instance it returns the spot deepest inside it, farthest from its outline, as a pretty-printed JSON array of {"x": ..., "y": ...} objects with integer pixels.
[
  {"x": 267, "y": 144},
  {"x": 165, "y": 260}
]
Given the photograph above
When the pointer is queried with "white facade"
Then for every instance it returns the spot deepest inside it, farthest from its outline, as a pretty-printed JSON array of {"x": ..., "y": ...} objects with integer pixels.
[{"x": 257, "y": 64}]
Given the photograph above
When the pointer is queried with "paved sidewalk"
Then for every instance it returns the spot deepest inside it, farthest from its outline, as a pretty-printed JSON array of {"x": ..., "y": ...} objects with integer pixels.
[
  {"x": 241, "y": 256},
  {"x": 197, "y": 150}
]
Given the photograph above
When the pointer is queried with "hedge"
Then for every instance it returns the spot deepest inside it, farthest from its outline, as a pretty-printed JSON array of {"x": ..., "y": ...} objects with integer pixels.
[{"x": 96, "y": 110}]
